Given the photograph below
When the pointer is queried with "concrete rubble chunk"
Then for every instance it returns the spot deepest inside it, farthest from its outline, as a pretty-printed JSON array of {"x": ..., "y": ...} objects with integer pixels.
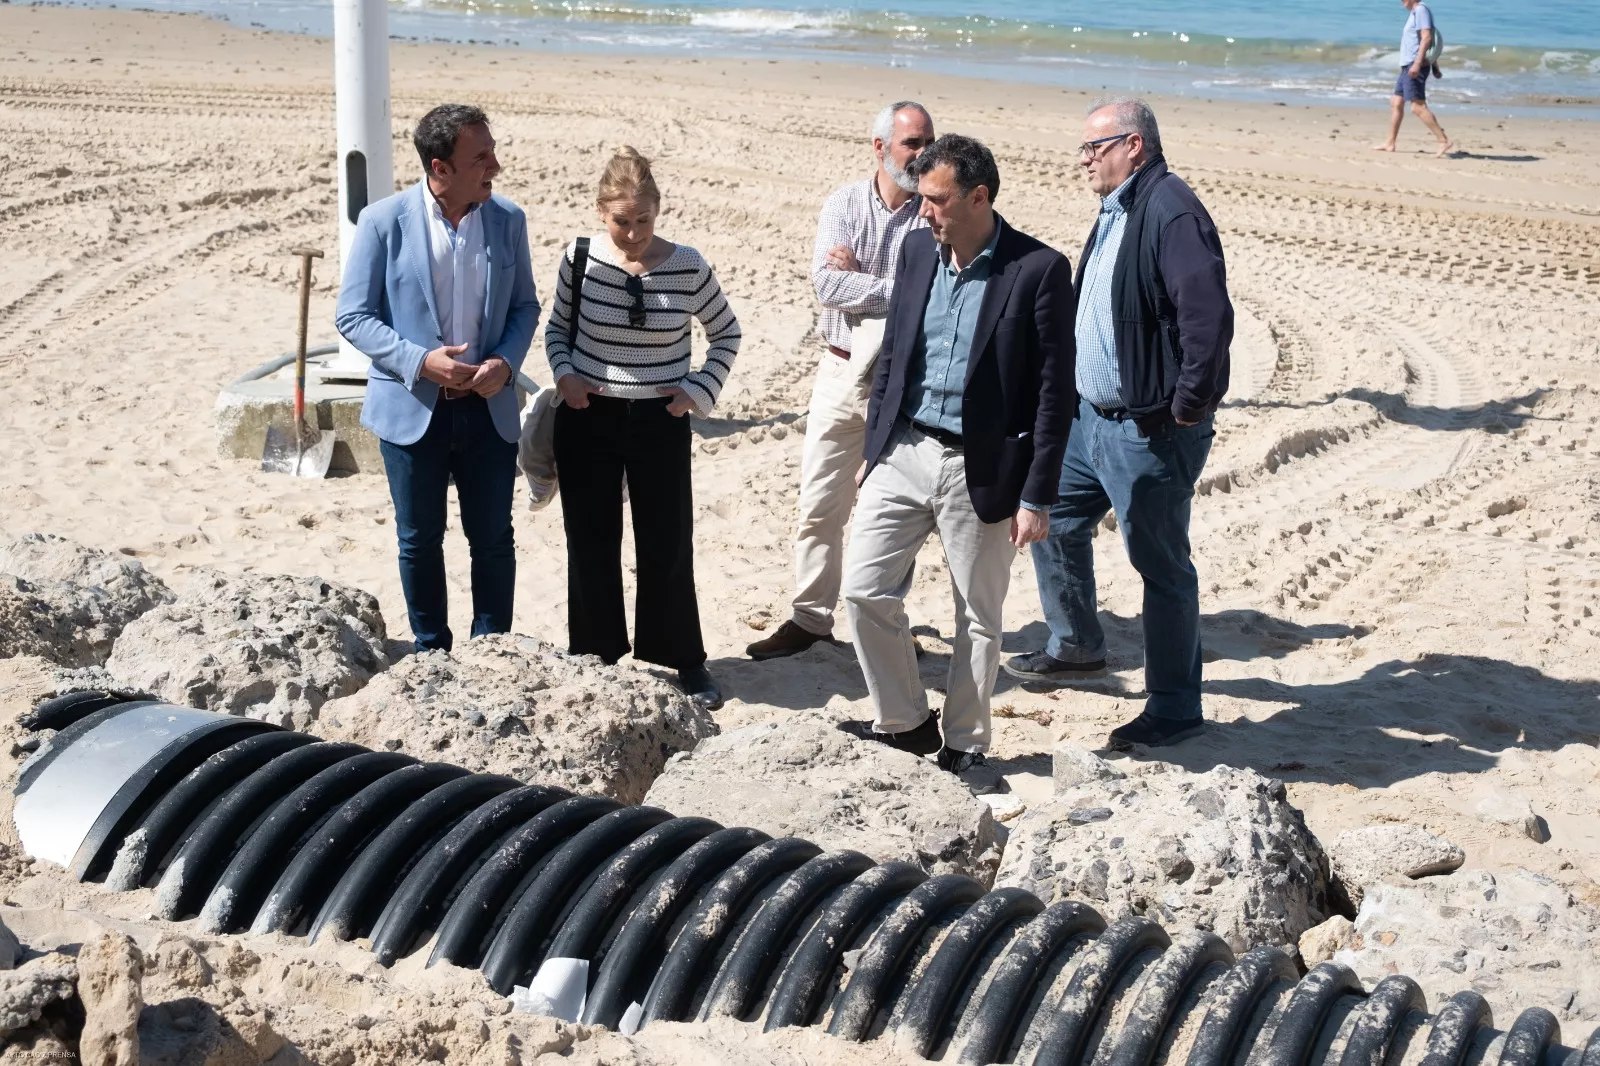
[
  {"x": 67, "y": 603},
  {"x": 513, "y": 705},
  {"x": 1222, "y": 851},
  {"x": 271, "y": 647},
  {"x": 1071, "y": 766},
  {"x": 1517, "y": 938},
  {"x": 805, "y": 778},
  {"x": 10, "y": 948},
  {"x": 110, "y": 984},
  {"x": 1499, "y": 807},
  {"x": 26, "y": 991},
  {"x": 1321, "y": 942},
  {"x": 1365, "y": 856}
]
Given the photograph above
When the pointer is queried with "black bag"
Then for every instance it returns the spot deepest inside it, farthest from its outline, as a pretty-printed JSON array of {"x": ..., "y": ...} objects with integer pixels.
[{"x": 580, "y": 266}]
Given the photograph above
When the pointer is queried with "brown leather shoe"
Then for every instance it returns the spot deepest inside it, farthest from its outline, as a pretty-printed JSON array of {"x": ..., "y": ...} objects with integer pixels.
[{"x": 787, "y": 639}]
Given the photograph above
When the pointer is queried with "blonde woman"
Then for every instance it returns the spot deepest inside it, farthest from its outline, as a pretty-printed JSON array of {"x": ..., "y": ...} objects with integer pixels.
[{"x": 619, "y": 352}]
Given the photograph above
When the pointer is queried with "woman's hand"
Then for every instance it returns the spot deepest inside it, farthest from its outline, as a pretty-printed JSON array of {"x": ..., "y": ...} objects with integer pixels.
[
  {"x": 681, "y": 403},
  {"x": 575, "y": 391}
]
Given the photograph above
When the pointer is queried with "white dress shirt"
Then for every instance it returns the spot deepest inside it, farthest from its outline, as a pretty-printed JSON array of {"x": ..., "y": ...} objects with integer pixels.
[{"x": 460, "y": 265}]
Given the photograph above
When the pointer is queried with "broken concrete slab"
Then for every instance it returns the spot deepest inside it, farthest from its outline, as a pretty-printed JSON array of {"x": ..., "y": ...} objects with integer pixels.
[
  {"x": 804, "y": 777},
  {"x": 1517, "y": 938},
  {"x": 66, "y": 602},
  {"x": 1223, "y": 851},
  {"x": 1365, "y": 856},
  {"x": 513, "y": 705},
  {"x": 272, "y": 647}
]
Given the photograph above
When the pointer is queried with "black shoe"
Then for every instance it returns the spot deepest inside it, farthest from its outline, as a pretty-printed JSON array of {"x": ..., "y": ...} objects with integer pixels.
[
  {"x": 787, "y": 639},
  {"x": 1151, "y": 732},
  {"x": 959, "y": 762},
  {"x": 1042, "y": 666},
  {"x": 696, "y": 682},
  {"x": 923, "y": 740}
]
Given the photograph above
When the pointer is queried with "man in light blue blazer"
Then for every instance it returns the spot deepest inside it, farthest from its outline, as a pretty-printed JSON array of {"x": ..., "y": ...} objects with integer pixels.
[{"x": 438, "y": 293}]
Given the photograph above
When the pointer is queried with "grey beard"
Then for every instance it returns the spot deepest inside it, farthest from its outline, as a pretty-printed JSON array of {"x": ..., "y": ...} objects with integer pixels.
[{"x": 899, "y": 175}]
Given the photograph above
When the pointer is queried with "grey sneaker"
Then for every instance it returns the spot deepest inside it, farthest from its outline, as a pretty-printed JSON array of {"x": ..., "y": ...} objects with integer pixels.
[{"x": 1042, "y": 666}]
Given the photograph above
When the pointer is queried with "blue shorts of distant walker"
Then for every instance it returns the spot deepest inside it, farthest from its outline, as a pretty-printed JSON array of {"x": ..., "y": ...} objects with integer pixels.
[{"x": 1408, "y": 87}]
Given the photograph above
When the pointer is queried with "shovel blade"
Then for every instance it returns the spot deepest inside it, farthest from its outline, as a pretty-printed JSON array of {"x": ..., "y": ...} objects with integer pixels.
[{"x": 299, "y": 451}]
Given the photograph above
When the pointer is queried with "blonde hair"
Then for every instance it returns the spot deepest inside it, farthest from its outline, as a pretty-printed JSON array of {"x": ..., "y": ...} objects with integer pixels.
[{"x": 627, "y": 177}]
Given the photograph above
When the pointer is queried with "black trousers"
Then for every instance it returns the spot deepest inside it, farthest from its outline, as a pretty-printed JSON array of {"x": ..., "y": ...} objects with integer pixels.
[{"x": 594, "y": 447}]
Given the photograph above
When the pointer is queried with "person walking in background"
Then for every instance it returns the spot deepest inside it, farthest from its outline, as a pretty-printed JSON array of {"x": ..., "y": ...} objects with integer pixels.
[
  {"x": 618, "y": 344},
  {"x": 971, "y": 403},
  {"x": 852, "y": 271},
  {"x": 438, "y": 292},
  {"x": 1153, "y": 328},
  {"x": 1416, "y": 39}
]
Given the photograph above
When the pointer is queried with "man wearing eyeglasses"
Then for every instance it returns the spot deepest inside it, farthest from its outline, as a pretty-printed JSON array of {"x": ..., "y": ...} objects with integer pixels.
[
  {"x": 853, "y": 272},
  {"x": 1154, "y": 324}
]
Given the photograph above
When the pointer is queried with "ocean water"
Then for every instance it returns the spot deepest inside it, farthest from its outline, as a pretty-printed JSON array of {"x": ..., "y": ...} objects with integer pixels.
[{"x": 1499, "y": 55}]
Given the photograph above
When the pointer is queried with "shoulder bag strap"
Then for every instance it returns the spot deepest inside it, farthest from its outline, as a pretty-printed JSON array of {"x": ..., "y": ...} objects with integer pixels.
[{"x": 580, "y": 266}]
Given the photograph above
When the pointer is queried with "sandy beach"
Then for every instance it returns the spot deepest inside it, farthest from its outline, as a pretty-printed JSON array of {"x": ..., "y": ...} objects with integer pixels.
[{"x": 1398, "y": 532}]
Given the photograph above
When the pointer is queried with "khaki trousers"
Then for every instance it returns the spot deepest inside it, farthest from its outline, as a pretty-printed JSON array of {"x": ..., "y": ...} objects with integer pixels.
[
  {"x": 920, "y": 488},
  {"x": 836, "y": 432}
]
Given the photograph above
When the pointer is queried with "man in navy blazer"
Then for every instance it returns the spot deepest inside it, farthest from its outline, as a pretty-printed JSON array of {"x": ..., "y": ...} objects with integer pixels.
[
  {"x": 438, "y": 293},
  {"x": 967, "y": 422}
]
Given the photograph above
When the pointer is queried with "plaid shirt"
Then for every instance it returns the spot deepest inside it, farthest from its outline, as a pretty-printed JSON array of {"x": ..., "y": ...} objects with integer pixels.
[
  {"x": 1099, "y": 373},
  {"x": 855, "y": 215}
]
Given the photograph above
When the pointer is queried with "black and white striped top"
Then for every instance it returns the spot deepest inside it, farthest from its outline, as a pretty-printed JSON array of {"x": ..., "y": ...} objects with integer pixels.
[{"x": 633, "y": 362}]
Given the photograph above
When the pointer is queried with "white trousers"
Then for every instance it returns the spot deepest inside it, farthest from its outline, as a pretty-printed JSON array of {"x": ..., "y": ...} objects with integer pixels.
[
  {"x": 836, "y": 433},
  {"x": 920, "y": 488}
]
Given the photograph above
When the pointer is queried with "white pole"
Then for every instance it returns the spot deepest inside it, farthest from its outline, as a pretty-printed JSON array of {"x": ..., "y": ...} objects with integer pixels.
[{"x": 361, "y": 105}]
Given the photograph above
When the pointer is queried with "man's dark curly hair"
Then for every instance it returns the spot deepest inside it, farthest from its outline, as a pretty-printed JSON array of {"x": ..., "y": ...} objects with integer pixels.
[
  {"x": 435, "y": 136},
  {"x": 973, "y": 163}
]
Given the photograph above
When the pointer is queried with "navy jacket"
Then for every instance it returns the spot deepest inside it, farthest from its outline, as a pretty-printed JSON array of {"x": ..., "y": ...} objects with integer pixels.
[
  {"x": 1169, "y": 296},
  {"x": 1020, "y": 394}
]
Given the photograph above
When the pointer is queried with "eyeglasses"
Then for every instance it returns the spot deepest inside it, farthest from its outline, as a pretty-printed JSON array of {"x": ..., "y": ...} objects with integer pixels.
[
  {"x": 636, "y": 313},
  {"x": 1092, "y": 148}
]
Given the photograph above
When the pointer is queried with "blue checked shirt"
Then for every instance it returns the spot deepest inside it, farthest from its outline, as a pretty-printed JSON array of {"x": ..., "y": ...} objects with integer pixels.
[
  {"x": 939, "y": 372},
  {"x": 1099, "y": 374}
]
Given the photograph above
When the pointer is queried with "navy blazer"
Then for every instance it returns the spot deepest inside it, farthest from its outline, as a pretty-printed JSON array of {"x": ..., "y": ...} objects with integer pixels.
[{"x": 1021, "y": 391}]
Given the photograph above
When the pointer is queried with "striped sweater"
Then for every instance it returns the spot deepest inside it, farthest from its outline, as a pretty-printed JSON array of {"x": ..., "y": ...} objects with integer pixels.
[{"x": 632, "y": 363}]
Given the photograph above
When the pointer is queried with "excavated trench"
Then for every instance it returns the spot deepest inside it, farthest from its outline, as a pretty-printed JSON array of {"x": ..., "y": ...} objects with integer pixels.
[{"x": 625, "y": 916}]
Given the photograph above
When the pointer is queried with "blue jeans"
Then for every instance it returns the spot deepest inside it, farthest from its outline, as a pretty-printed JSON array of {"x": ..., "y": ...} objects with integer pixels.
[
  {"x": 1149, "y": 482},
  {"x": 461, "y": 442}
]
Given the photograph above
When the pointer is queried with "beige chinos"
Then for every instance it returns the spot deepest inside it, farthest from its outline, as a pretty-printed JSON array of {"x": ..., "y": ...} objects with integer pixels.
[
  {"x": 836, "y": 433},
  {"x": 917, "y": 489}
]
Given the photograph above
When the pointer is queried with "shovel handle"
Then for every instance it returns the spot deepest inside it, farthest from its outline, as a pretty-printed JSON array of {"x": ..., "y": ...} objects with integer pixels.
[{"x": 306, "y": 255}]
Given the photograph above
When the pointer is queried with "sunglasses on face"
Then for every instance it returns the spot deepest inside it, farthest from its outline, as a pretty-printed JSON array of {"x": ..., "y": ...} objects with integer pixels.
[{"x": 636, "y": 312}]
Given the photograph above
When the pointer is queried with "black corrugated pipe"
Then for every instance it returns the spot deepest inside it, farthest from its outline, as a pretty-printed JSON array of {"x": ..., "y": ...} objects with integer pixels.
[{"x": 675, "y": 919}]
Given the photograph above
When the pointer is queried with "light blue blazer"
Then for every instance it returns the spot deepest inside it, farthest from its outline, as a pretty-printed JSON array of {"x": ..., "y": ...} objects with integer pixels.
[{"x": 386, "y": 310}]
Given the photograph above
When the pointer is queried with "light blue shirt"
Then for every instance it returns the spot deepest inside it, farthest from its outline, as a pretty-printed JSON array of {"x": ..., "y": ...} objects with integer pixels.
[
  {"x": 939, "y": 371},
  {"x": 1411, "y": 37},
  {"x": 1099, "y": 375}
]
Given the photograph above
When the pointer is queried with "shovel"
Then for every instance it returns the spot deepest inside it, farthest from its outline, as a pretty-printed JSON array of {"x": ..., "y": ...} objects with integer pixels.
[{"x": 300, "y": 449}]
